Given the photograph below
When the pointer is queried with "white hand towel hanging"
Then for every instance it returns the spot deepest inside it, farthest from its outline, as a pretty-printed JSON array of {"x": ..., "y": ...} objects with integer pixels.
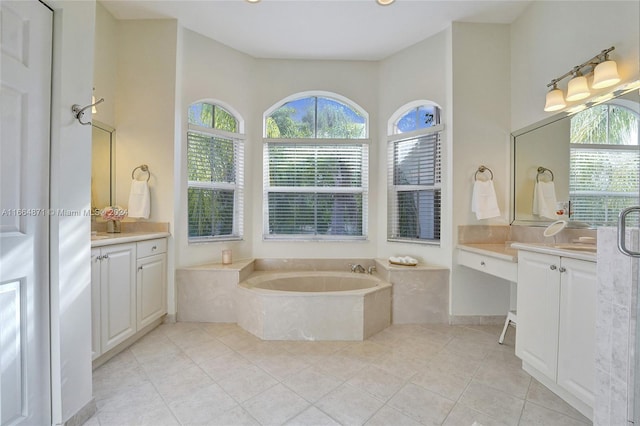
[
  {"x": 544, "y": 200},
  {"x": 139, "y": 199},
  {"x": 484, "y": 202}
]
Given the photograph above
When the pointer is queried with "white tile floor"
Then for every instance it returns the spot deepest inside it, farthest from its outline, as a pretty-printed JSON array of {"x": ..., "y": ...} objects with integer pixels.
[{"x": 218, "y": 374}]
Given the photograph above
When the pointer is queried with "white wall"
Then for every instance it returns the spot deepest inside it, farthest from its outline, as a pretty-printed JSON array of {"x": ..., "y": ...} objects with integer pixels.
[
  {"x": 480, "y": 136},
  {"x": 550, "y": 38},
  {"x": 105, "y": 71},
  {"x": 212, "y": 71},
  {"x": 70, "y": 255},
  {"x": 416, "y": 73}
]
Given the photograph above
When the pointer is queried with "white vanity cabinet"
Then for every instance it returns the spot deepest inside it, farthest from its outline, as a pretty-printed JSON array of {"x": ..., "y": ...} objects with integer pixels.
[
  {"x": 556, "y": 324},
  {"x": 113, "y": 277},
  {"x": 151, "y": 281},
  {"x": 128, "y": 293}
]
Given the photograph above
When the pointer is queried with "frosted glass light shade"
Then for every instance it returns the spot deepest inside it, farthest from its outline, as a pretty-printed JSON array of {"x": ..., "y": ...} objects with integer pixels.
[
  {"x": 555, "y": 100},
  {"x": 578, "y": 89},
  {"x": 605, "y": 75},
  {"x": 385, "y": 2}
]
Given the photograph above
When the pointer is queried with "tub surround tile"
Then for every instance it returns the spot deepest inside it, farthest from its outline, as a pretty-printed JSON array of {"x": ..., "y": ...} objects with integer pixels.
[{"x": 205, "y": 296}]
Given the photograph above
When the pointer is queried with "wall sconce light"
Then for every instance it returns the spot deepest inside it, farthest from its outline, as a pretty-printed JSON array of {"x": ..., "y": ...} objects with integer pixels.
[{"x": 605, "y": 74}]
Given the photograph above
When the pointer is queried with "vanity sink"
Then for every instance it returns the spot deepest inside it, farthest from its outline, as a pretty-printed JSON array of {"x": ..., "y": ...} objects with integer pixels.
[{"x": 577, "y": 247}]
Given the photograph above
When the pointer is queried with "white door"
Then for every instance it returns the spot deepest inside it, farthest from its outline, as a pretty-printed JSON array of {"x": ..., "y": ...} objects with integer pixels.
[{"x": 25, "y": 104}]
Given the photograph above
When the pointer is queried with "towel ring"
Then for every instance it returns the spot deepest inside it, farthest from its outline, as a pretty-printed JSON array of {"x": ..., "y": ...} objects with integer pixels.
[
  {"x": 483, "y": 169},
  {"x": 541, "y": 171},
  {"x": 144, "y": 168}
]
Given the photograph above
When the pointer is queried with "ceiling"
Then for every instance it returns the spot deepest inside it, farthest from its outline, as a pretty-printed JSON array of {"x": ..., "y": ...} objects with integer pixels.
[{"x": 318, "y": 29}]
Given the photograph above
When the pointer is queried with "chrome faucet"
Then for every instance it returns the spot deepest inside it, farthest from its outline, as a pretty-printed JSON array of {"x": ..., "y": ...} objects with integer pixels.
[
  {"x": 357, "y": 268},
  {"x": 371, "y": 269}
]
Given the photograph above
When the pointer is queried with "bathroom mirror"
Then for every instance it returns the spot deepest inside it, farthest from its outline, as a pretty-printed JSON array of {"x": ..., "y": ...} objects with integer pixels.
[
  {"x": 102, "y": 165},
  {"x": 591, "y": 156}
]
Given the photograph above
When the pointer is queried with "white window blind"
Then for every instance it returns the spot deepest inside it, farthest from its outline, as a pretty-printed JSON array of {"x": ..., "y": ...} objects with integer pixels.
[
  {"x": 315, "y": 190},
  {"x": 414, "y": 192},
  {"x": 604, "y": 180},
  {"x": 215, "y": 186}
]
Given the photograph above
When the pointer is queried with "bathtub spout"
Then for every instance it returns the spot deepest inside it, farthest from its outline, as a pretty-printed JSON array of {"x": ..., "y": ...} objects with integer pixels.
[
  {"x": 371, "y": 270},
  {"x": 357, "y": 268}
]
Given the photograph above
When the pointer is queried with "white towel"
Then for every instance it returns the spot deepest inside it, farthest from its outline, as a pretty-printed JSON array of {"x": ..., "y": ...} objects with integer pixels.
[
  {"x": 544, "y": 200},
  {"x": 484, "y": 202},
  {"x": 139, "y": 199}
]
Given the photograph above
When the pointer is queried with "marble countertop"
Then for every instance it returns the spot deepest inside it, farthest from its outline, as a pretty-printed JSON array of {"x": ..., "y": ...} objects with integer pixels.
[
  {"x": 107, "y": 239},
  {"x": 499, "y": 251}
]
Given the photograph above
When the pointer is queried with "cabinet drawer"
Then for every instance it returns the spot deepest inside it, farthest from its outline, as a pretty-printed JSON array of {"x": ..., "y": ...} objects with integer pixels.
[
  {"x": 489, "y": 265},
  {"x": 151, "y": 247}
]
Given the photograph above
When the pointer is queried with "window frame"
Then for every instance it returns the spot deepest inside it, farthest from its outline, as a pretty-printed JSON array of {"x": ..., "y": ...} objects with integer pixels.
[
  {"x": 238, "y": 140},
  {"x": 364, "y": 142},
  {"x": 394, "y": 136}
]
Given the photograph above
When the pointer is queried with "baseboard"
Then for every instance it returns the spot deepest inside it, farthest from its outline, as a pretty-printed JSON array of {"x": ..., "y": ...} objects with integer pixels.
[
  {"x": 169, "y": 319},
  {"x": 84, "y": 414},
  {"x": 477, "y": 319}
]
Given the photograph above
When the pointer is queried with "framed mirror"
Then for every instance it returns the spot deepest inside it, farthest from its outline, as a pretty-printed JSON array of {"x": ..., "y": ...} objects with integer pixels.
[
  {"x": 102, "y": 165},
  {"x": 585, "y": 163}
]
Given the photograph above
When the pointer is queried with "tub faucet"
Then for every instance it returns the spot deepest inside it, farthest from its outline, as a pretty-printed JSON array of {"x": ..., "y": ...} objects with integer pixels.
[
  {"x": 357, "y": 268},
  {"x": 371, "y": 269}
]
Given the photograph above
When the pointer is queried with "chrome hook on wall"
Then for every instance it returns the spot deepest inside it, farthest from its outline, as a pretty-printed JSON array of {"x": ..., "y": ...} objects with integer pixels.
[{"x": 78, "y": 111}]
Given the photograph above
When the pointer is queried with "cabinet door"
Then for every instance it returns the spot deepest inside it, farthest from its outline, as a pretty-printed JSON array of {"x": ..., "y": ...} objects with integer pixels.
[
  {"x": 95, "y": 303},
  {"x": 118, "y": 291},
  {"x": 538, "y": 311},
  {"x": 577, "y": 338},
  {"x": 151, "y": 294}
]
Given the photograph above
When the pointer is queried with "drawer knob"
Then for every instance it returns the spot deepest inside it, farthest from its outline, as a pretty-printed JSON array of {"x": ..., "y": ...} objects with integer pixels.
[
  {"x": 482, "y": 263},
  {"x": 553, "y": 267},
  {"x": 562, "y": 269},
  {"x": 154, "y": 248}
]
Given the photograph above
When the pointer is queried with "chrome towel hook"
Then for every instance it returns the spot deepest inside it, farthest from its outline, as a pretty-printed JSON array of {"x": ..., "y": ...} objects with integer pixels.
[{"x": 78, "y": 111}]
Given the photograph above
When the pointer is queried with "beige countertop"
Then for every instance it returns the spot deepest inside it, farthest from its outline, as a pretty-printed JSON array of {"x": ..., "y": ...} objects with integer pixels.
[{"x": 107, "y": 239}]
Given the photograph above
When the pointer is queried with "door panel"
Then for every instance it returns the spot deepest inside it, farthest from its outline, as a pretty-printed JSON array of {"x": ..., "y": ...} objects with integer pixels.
[{"x": 25, "y": 110}]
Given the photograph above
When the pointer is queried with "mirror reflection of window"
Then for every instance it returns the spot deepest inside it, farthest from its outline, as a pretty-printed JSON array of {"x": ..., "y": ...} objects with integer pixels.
[{"x": 604, "y": 163}]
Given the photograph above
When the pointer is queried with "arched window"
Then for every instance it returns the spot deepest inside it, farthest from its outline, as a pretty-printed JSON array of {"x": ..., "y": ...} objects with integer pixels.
[
  {"x": 215, "y": 159},
  {"x": 604, "y": 163},
  {"x": 414, "y": 173},
  {"x": 316, "y": 169}
]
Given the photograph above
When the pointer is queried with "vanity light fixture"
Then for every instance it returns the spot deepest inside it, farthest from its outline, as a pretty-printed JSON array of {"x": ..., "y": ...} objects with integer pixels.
[
  {"x": 578, "y": 88},
  {"x": 605, "y": 74},
  {"x": 555, "y": 99}
]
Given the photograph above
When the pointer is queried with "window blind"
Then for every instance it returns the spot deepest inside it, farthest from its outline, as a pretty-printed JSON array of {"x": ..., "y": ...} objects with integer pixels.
[
  {"x": 315, "y": 191},
  {"x": 604, "y": 180},
  {"x": 414, "y": 192},
  {"x": 215, "y": 187}
]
